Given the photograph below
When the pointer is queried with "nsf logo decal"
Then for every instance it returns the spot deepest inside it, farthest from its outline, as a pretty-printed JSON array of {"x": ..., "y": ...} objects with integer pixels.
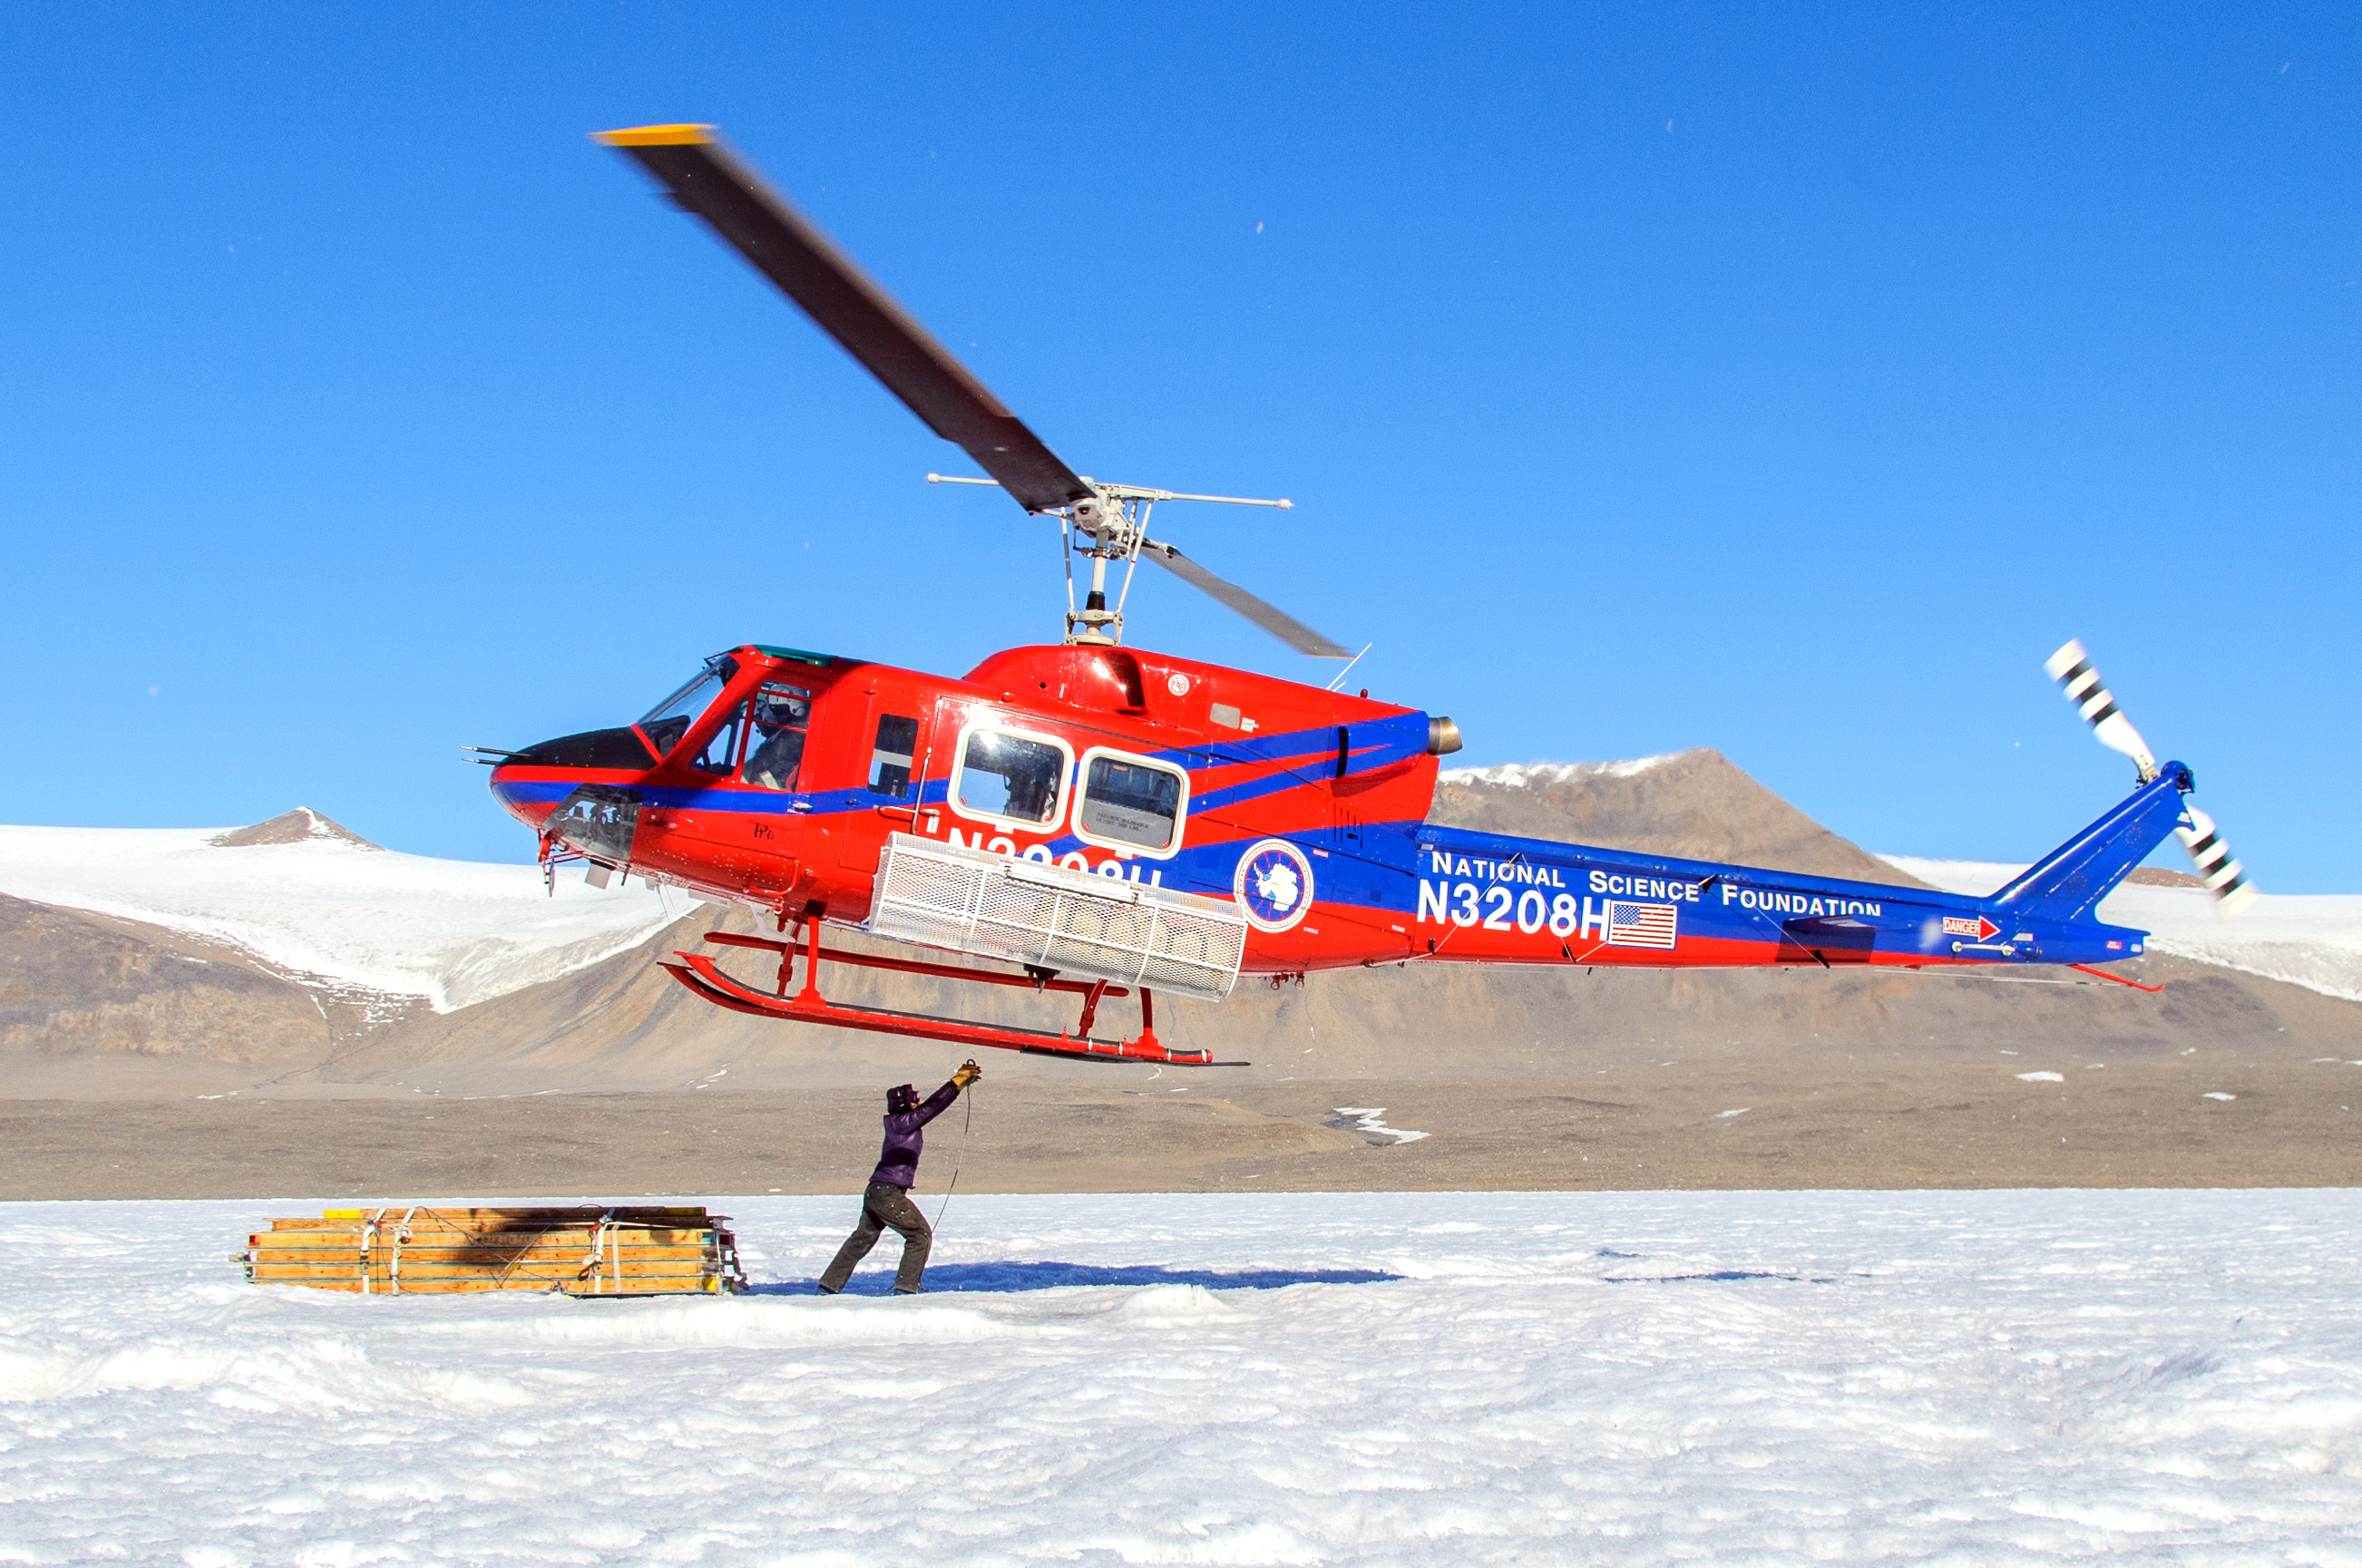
[{"x": 1274, "y": 885}]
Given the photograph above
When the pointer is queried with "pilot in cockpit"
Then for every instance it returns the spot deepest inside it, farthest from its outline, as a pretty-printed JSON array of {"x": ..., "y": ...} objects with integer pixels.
[{"x": 777, "y": 752}]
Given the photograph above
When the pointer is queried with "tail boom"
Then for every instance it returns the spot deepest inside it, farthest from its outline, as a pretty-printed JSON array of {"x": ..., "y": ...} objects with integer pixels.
[{"x": 1486, "y": 899}]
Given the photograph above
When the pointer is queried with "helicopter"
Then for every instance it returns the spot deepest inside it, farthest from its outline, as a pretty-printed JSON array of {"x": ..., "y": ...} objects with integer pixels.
[{"x": 1107, "y": 821}]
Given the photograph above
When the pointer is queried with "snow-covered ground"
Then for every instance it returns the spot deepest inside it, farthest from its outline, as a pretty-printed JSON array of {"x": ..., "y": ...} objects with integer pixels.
[
  {"x": 2314, "y": 940},
  {"x": 1996, "y": 1377},
  {"x": 452, "y": 932}
]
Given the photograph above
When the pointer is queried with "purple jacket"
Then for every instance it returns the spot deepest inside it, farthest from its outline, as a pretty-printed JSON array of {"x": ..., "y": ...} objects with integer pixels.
[{"x": 897, "y": 1161}]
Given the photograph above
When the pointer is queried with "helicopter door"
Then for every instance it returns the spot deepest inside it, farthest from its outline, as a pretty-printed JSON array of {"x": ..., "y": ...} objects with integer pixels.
[
  {"x": 890, "y": 754},
  {"x": 739, "y": 824}
]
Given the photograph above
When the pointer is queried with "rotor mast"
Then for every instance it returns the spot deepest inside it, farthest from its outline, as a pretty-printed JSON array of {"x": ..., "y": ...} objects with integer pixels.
[{"x": 1110, "y": 525}]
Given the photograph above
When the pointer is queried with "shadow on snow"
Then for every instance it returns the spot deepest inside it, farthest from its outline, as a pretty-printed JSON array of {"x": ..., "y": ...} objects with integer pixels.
[
  {"x": 1718, "y": 1276},
  {"x": 1001, "y": 1277}
]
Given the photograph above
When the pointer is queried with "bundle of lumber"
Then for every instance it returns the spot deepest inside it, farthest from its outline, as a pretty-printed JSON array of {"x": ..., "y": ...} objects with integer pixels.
[{"x": 413, "y": 1250}]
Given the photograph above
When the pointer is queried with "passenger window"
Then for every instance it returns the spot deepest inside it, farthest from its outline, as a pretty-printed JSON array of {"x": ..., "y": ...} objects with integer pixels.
[
  {"x": 1130, "y": 800},
  {"x": 1017, "y": 778},
  {"x": 721, "y": 751},
  {"x": 889, "y": 760},
  {"x": 774, "y": 746}
]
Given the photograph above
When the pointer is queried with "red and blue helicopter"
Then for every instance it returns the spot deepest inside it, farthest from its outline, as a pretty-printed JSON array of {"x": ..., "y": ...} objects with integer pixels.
[{"x": 1113, "y": 823}]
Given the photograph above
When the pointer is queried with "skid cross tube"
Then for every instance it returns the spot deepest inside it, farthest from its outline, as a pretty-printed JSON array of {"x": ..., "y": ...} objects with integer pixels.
[{"x": 701, "y": 974}]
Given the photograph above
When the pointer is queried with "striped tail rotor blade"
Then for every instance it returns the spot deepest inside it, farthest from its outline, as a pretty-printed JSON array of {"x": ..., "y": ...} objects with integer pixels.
[
  {"x": 2071, "y": 668},
  {"x": 2224, "y": 875}
]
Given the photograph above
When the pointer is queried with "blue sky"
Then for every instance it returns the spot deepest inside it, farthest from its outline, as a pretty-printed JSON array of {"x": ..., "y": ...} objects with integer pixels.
[{"x": 1788, "y": 381}]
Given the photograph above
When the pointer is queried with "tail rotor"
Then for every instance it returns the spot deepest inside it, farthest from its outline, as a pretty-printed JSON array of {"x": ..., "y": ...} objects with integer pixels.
[
  {"x": 2224, "y": 875},
  {"x": 2071, "y": 668}
]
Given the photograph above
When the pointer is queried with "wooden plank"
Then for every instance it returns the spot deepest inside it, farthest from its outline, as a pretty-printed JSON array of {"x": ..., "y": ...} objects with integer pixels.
[
  {"x": 490, "y": 1268},
  {"x": 551, "y": 1269},
  {"x": 348, "y": 1236},
  {"x": 426, "y": 1235},
  {"x": 572, "y": 1214},
  {"x": 604, "y": 1284},
  {"x": 416, "y": 1250},
  {"x": 476, "y": 1257},
  {"x": 709, "y": 1287},
  {"x": 565, "y": 1265}
]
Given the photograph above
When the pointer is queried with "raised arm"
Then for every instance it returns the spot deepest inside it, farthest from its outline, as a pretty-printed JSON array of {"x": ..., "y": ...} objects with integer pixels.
[{"x": 934, "y": 1105}]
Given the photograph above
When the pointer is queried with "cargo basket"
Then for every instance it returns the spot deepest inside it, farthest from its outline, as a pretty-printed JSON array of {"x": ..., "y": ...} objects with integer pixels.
[
  {"x": 1056, "y": 917},
  {"x": 416, "y": 1251}
]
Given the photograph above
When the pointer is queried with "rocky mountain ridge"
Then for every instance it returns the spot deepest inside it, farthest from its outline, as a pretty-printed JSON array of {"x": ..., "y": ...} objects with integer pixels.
[{"x": 90, "y": 1006}]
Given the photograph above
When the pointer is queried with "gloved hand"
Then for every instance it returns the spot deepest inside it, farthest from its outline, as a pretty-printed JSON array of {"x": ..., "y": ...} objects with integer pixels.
[{"x": 968, "y": 1073}]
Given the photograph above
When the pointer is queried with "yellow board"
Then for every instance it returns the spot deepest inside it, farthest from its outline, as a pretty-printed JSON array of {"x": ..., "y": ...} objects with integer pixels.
[{"x": 656, "y": 136}]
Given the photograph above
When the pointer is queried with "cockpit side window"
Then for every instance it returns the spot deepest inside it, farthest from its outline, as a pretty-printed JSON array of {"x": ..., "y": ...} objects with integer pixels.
[
  {"x": 664, "y": 724},
  {"x": 779, "y": 716}
]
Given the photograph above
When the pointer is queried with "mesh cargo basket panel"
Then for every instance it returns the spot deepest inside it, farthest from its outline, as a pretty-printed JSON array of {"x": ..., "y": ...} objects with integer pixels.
[{"x": 1077, "y": 923}]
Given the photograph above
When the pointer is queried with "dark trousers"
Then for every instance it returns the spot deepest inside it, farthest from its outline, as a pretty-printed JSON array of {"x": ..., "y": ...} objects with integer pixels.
[{"x": 884, "y": 1208}]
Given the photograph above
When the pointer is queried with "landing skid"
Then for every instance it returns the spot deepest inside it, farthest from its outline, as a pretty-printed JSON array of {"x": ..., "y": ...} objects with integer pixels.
[{"x": 703, "y": 976}]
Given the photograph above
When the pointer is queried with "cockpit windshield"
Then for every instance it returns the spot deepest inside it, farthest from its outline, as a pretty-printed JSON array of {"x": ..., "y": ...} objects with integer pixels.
[{"x": 670, "y": 719}]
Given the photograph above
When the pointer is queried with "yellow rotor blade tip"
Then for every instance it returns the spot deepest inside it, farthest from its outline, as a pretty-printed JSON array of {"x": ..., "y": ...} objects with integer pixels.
[{"x": 655, "y": 135}]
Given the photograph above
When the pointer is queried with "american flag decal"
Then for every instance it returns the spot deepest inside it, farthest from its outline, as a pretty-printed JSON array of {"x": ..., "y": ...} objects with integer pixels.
[{"x": 1640, "y": 925}]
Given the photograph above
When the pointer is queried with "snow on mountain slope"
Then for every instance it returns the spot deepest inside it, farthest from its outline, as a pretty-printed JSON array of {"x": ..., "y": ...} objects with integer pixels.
[
  {"x": 334, "y": 909},
  {"x": 2309, "y": 940},
  {"x": 1533, "y": 775},
  {"x": 330, "y": 907}
]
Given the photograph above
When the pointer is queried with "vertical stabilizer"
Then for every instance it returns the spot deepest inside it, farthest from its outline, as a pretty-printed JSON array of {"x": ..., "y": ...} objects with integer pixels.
[
  {"x": 2224, "y": 877},
  {"x": 2069, "y": 882}
]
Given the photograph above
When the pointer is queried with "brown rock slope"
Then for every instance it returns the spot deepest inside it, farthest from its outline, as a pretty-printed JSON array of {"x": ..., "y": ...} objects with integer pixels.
[
  {"x": 625, "y": 1026},
  {"x": 1694, "y": 805},
  {"x": 110, "y": 1007},
  {"x": 614, "y": 1079},
  {"x": 290, "y": 827}
]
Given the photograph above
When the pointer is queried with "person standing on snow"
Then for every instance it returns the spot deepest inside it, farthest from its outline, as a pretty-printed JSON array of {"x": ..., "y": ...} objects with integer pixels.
[{"x": 886, "y": 1205}]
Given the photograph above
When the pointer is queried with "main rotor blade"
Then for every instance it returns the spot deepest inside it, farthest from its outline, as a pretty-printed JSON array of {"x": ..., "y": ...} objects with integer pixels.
[
  {"x": 706, "y": 180},
  {"x": 1278, "y": 621}
]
